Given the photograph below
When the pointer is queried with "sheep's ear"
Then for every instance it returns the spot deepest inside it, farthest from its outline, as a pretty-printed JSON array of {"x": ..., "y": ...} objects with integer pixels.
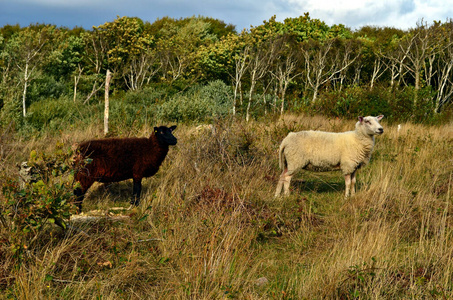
[
  {"x": 173, "y": 127},
  {"x": 380, "y": 117},
  {"x": 360, "y": 119}
]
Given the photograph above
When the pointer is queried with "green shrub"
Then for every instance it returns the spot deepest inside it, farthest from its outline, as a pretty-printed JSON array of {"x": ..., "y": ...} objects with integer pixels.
[
  {"x": 126, "y": 115},
  {"x": 45, "y": 87},
  {"x": 11, "y": 111},
  {"x": 56, "y": 112},
  {"x": 146, "y": 96},
  {"x": 398, "y": 105},
  {"x": 43, "y": 199},
  {"x": 199, "y": 103},
  {"x": 405, "y": 108}
]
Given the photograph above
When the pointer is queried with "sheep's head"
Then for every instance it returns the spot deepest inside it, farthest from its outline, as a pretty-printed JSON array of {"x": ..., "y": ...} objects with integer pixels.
[
  {"x": 370, "y": 125},
  {"x": 165, "y": 135}
]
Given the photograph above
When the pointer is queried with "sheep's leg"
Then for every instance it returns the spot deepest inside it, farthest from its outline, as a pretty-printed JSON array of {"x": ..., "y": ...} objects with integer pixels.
[
  {"x": 347, "y": 182},
  {"x": 286, "y": 180},
  {"x": 353, "y": 183},
  {"x": 84, "y": 180},
  {"x": 281, "y": 180},
  {"x": 78, "y": 193},
  {"x": 137, "y": 189},
  {"x": 286, "y": 184}
]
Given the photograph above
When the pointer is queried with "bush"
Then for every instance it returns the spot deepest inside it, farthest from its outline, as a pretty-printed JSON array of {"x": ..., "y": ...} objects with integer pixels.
[
  {"x": 11, "y": 111},
  {"x": 199, "y": 103},
  {"x": 53, "y": 113},
  {"x": 396, "y": 105},
  {"x": 146, "y": 96},
  {"x": 44, "y": 198},
  {"x": 45, "y": 87},
  {"x": 405, "y": 108},
  {"x": 126, "y": 115}
]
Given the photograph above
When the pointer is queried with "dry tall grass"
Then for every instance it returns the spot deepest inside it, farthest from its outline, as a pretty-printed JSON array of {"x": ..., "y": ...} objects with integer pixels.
[{"x": 209, "y": 227}]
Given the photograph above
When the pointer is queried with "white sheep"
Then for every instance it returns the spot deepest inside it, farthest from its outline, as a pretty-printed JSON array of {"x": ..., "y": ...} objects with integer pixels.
[{"x": 326, "y": 151}]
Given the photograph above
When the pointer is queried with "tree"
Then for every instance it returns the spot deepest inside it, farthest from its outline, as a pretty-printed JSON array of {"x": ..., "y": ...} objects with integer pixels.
[
  {"x": 94, "y": 57},
  {"x": 178, "y": 44},
  {"x": 325, "y": 60},
  {"x": 285, "y": 66},
  {"x": 227, "y": 60},
  {"x": 420, "y": 48},
  {"x": 108, "y": 77},
  {"x": 263, "y": 52},
  {"x": 444, "y": 68},
  {"x": 241, "y": 64},
  {"x": 127, "y": 48},
  {"x": 27, "y": 49},
  {"x": 5, "y": 61},
  {"x": 64, "y": 60},
  {"x": 64, "y": 56}
]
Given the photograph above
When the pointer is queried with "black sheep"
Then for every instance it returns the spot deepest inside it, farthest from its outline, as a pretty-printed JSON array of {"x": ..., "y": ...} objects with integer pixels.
[{"x": 117, "y": 159}]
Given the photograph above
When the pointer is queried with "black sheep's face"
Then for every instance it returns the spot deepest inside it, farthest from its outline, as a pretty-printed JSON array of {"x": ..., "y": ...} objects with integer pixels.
[{"x": 165, "y": 134}]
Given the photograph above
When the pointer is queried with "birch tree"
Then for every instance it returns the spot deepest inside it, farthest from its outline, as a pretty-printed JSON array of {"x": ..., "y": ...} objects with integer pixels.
[
  {"x": 27, "y": 49},
  {"x": 444, "y": 69},
  {"x": 420, "y": 48},
  {"x": 108, "y": 77},
  {"x": 284, "y": 69},
  {"x": 323, "y": 62},
  {"x": 261, "y": 57},
  {"x": 95, "y": 55}
]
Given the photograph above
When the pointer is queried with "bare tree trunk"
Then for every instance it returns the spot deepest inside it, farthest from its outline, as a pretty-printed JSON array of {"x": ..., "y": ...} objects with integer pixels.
[
  {"x": 252, "y": 88},
  {"x": 76, "y": 82},
  {"x": 378, "y": 69},
  {"x": 24, "y": 110},
  {"x": 241, "y": 65},
  {"x": 106, "y": 109},
  {"x": 24, "y": 95},
  {"x": 75, "y": 87},
  {"x": 93, "y": 91}
]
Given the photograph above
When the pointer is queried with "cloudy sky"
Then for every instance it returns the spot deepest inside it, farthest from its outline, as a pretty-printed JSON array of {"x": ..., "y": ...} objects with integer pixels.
[{"x": 354, "y": 14}]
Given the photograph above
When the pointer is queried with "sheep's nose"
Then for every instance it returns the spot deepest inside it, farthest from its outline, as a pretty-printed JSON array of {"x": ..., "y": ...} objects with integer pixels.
[{"x": 381, "y": 130}]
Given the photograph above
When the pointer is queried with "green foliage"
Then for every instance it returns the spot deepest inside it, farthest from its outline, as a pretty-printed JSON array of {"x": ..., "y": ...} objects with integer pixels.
[
  {"x": 396, "y": 105},
  {"x": 53, "y": 113},
  {"x": 126, "y": 115},
  {"x": 413, "y": 105},
  {"x": 11, "y": 112},
  {"x": 304, "y": 28},
  {"x": 300, "y": 58},
  {"x": 124, "y": 38},
  {"x": 199, "y": 104},
  {"x": 136, "y": 108},
  {"x": 148, "y": 95},
  {"x": 65, "y": 58},
  {"x": 45, "y": 88},
  {"x": 218, "y": 27},
  {"x": 9, "y": 30},
  {"x": 43, "y": 198},
  {"x": 348, "y": 102}
]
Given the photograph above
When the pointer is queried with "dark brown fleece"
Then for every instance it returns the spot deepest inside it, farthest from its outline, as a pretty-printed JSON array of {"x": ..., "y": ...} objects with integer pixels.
[{"x": 117, "y": 159}]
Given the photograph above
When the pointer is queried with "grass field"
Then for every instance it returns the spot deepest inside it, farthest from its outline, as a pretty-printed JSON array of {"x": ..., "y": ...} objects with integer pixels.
[{"x": 208, "y": 226}]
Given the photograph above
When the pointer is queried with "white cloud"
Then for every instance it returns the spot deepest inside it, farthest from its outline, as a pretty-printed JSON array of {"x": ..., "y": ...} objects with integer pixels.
[{"x": 401, "y": 14}]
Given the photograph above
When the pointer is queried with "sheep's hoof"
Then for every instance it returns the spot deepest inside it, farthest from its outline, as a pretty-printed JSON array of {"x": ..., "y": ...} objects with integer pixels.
[{"x": 135, "y": 202}]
